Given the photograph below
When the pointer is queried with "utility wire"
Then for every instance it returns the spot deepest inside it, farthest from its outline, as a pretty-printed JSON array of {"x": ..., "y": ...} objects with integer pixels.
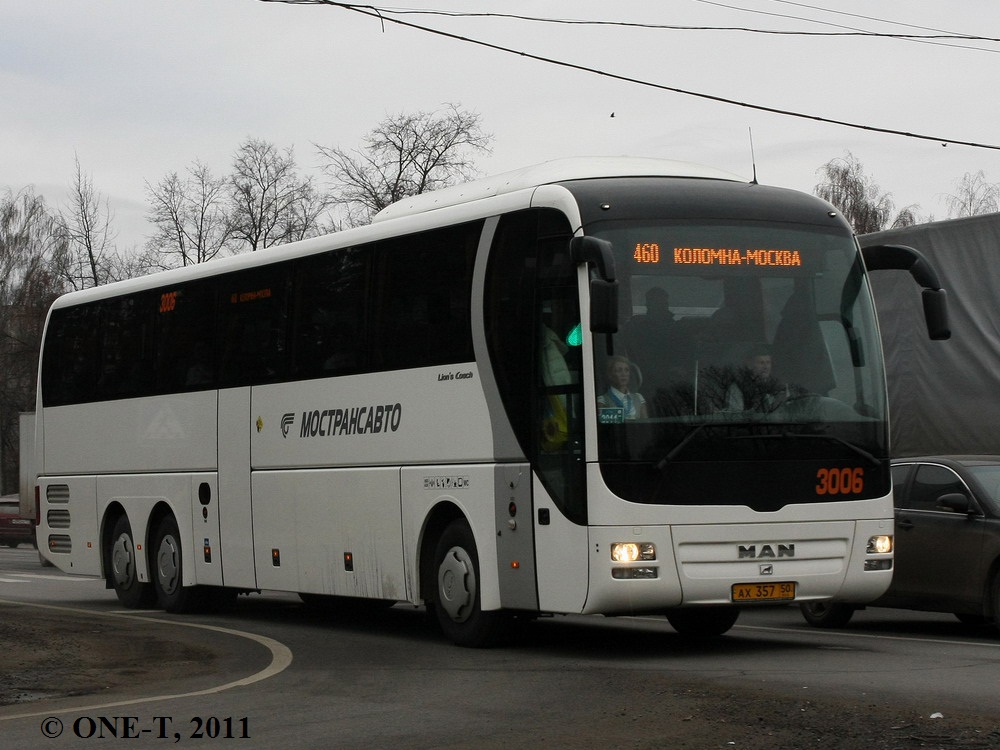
[
  {"x": 851, "y": 32},
  {"x": 873, "y": 18},
  {"x": 922, "y": 39},
  {"x": 381, "y": 15}
]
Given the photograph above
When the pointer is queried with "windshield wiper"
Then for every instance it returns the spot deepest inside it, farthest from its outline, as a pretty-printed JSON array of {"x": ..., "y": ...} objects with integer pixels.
[
  {"x": 814, "y": 436},
  {"x": 672, "y": 453},
  {"x": 846, "y": 443}
]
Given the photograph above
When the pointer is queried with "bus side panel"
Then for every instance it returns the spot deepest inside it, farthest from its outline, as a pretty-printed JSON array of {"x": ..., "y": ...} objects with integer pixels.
[
  {"x": 206, "y": 544},
  {"x": 393, "y": 418},
  {"x": 161, "y": 434},
  {"x": 515, "y": 537},
  {"x": 468, "y": 488},
  {"x": 329, "y": 531},
  {"x": 561, "y": 557},
  {"x": 139, "y": 494},
  {"x": 235, "y": 513},
  {"x": 68, "y": 528}
]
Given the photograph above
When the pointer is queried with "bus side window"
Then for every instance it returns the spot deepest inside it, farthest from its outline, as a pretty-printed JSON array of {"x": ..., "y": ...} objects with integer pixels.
[
  {"x": 331, "y": 322},
  {"x": 126, "y": 368},
  {"x": 422, "y": 298},
  {"x": 69, "y": 364},
  {"x": 185, "y": 338},
  {"x": 254, "y": 326}
]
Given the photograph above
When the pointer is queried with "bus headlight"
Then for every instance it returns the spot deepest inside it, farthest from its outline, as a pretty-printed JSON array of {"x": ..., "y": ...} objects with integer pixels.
[
  {"x": 880, "y": 545},
  {"x": 626, "y": 552}
]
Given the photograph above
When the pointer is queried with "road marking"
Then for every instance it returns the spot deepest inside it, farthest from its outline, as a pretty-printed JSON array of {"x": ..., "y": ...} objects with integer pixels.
[
  {"x": 833, "y": 632},
  {"x": 281, "y": 658},
  {"x": 29, "y": 577}
]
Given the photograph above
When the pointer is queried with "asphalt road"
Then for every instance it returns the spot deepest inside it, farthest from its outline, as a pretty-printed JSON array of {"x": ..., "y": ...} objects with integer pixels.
[{"x": 282, "y": 675}]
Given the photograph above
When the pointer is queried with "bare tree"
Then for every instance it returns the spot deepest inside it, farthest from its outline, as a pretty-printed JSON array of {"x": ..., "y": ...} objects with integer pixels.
[
  {"x": 859, "y": 199},
  {"x": 29, "y": 239},
  {"x": 87, "y": 257},
  {"x": 189, "y": 216},
  {"x": 406, "y": 154},
  {"x": 974, "y": 196},
  {"x": 270, "y": 202}
]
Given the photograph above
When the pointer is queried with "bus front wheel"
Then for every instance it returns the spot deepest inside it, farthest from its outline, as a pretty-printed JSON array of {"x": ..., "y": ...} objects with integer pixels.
[
  {"x": 131, "y": 592},
  {"x": 827, "y": 614},
  {"x": 168, "y": 570},
  {"x": 457, "y": 597},
  {"x": 703, "y": 621}
]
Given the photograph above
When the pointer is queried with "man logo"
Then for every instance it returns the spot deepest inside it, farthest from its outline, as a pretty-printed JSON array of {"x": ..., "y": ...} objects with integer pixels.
[
  {"x": 765, "y": 551},
  {"x": 287, "y": 420}
]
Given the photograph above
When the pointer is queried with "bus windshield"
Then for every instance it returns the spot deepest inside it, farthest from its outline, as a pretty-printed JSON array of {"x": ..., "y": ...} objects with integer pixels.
[{"x": 738, "y": 342}]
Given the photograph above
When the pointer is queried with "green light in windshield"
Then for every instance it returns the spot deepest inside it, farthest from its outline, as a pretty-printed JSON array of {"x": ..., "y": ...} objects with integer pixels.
[{"x": 575, "y": 336}]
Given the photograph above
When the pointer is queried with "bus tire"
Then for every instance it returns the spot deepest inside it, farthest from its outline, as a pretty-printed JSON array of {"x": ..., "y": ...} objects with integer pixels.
[
  {"x": 827, "y": 614},
  {"x": 703, "y": 621},
  {"x": 457, "y": 593},
  {"x": 168, "y": 570},
  {"x": 131, "y": 592}
]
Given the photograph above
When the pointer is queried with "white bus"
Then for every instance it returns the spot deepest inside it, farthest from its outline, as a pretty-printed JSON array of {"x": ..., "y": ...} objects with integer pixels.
[{"x": 419, "y": 410}]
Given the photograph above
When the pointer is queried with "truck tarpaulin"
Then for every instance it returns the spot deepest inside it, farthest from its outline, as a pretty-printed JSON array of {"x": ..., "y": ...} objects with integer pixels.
[{"x": 944, "y": 396}]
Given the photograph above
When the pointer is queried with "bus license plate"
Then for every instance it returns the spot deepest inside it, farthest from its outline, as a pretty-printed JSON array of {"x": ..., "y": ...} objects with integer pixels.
[{"x": 763, "y": 592}]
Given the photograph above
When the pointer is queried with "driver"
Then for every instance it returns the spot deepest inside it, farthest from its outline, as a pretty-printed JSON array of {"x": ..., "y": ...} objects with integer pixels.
[{"x": 754, "y": 388}]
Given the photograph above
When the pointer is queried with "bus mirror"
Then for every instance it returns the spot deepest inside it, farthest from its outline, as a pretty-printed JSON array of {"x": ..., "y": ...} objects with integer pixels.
[
  {"x": 598, "y": 252},
  {"x": 936, "y": 314},
  {"x": 603, "y": 306},
  {"x": 935, "y": 299}
]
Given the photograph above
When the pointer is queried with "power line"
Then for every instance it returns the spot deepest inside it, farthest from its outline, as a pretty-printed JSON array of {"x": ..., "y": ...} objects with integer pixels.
[
  {"x": 851, "y": 32},
  {"x": 921, "y": 39},
  {"x": 383, "y": 16},
  {"x": 873, "y": 18}
]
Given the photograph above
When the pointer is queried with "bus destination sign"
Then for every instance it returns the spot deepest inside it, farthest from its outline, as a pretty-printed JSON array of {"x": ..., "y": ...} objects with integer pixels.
[{"x": 649, "y": 253}]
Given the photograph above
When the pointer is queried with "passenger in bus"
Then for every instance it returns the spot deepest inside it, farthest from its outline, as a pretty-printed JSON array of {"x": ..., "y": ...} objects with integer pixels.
[
  {"x": 619, "y": 403},
  {"x": 555, "y": 373},
  {"x": 754, "y": 388},
  {"x": 655, "y": 338},
  {"x": 199, "y": 372}
]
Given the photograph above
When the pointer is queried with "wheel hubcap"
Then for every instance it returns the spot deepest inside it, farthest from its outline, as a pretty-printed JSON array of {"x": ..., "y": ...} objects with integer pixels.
[
  {"x": 457, "y": 584},
  {"x": 168, "y": 564},
  {"x": 123, "y": 561}
]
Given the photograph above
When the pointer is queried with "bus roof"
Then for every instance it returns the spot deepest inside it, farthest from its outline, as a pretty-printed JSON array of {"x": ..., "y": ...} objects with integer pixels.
[{"x": 547, "y": 173}]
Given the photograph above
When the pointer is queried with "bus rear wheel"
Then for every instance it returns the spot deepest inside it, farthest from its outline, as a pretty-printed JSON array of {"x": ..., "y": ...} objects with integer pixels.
[
  {"x": 131, "y": 592},
  {"x": 703, "y": 621},
  {"x": 168, "y": 570},
  {"x": 457, "y": 598}
]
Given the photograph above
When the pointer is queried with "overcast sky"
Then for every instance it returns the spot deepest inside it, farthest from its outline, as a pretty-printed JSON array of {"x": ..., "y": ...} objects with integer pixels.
[{"x": 137, "y": 89}]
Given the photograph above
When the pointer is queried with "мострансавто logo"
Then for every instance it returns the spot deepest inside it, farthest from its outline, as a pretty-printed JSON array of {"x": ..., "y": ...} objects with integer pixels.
[{"x": 357, "y": 420}]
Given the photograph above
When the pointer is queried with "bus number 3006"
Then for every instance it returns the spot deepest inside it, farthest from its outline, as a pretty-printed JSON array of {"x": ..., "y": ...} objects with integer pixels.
[{"x": 840, "y": 481}]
